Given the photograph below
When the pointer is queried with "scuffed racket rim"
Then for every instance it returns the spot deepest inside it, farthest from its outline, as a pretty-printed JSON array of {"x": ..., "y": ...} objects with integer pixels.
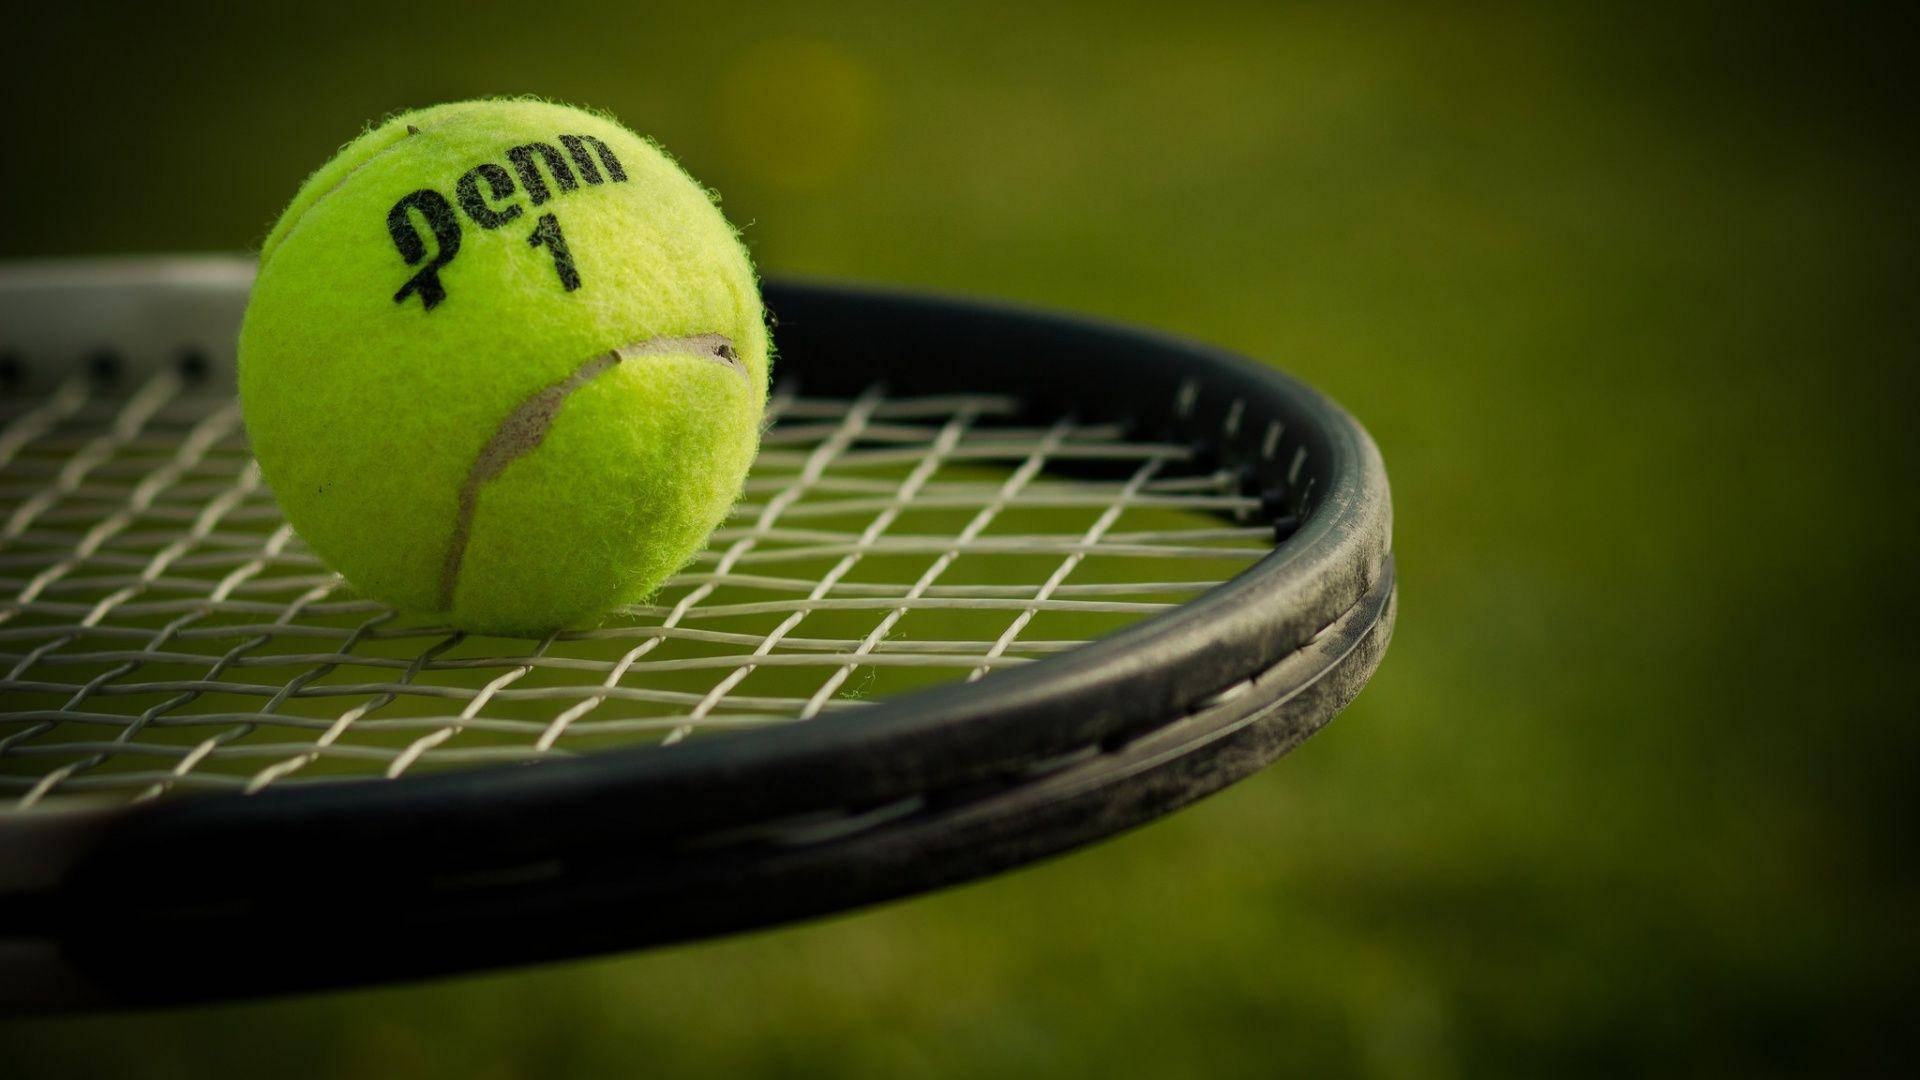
[{"x": 172, "y": 900}]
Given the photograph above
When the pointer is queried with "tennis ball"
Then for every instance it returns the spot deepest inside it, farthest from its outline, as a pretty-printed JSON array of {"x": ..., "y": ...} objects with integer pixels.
[{"x": 503, "y": 363}]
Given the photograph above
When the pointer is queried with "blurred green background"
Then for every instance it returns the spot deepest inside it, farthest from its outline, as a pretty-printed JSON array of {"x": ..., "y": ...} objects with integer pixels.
[{"x": 1626, "y": 297}]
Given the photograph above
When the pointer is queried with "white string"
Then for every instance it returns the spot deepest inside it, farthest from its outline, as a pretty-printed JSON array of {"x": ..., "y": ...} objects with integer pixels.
[{"x": 163, "y": 631}]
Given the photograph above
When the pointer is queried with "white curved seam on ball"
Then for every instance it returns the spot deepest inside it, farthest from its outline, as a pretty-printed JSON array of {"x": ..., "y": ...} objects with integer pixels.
[
  {"x": 527, "y": 425},
  {"x": 412, "y": 131}
]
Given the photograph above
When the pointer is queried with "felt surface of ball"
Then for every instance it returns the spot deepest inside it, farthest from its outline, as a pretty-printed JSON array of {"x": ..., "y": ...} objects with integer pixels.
[{"x": 504, "y": 362}]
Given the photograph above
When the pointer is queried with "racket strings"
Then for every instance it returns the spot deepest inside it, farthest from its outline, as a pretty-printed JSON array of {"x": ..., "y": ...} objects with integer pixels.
[{"x": 162, "y": 630}]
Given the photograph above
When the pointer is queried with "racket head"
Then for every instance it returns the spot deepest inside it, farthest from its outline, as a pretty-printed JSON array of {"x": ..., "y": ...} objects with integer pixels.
[{"x": 691, "y": 826}]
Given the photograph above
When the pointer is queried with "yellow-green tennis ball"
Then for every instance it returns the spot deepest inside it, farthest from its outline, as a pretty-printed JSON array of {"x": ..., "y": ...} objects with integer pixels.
[{"x": 504, "y": 363}]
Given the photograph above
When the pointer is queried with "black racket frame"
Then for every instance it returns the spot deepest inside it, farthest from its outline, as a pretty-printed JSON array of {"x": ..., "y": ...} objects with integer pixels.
[{"x": 334, "y": 884}]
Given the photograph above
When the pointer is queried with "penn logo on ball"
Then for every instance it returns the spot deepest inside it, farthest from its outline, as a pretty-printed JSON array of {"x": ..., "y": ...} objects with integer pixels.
[
  {"x": 430, "y": 206},
  {"x": 473, "y": 411}
]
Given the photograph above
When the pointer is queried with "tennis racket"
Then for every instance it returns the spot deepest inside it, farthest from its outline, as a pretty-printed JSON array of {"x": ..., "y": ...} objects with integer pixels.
[{"x": 1003, "y": 583}]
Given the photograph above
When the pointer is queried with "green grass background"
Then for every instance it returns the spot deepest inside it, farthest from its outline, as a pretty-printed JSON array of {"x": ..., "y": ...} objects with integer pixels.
[{"x": 1626, "y": 298}]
